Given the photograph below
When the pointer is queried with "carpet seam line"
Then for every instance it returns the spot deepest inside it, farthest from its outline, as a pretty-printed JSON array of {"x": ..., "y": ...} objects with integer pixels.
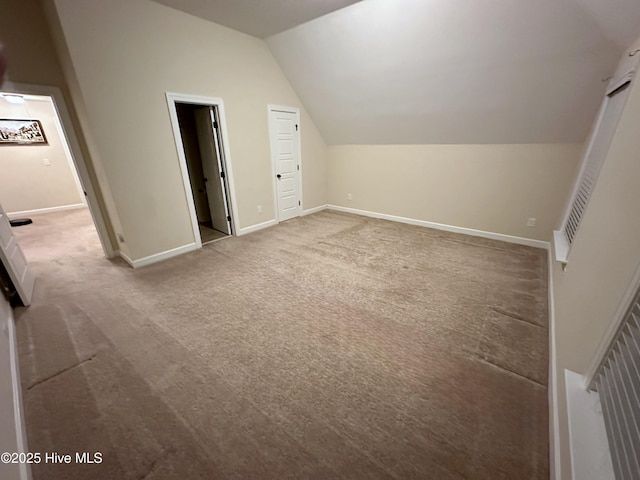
[
  {"x": 515, "y": 317},
  {"x": 39, "y": 382},
  {"x": 485, "y": 360}
]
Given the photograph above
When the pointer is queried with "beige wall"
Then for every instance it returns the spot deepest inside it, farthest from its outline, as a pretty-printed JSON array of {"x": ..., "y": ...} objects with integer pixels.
[
  {"x": 26, "y": 182},
  {"x": 494, "y": 188},
  {"x": 125, "y": 55},
  {"x": 30, "y": 52},
  {"x": 603, "y": 258}
]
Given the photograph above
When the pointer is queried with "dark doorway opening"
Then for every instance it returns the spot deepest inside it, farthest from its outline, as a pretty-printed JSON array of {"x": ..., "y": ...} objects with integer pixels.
[{"x": 199, "y": 129}]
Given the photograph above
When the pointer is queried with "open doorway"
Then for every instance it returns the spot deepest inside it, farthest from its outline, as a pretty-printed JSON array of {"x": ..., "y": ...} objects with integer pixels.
[
  {"x": 39, "y": 175},
  {"x": 41, "y": 193},
  {"x": 48, "y": 178},
  {"x": 207, "y": 177},
  {"x": 200, "y": 141}
]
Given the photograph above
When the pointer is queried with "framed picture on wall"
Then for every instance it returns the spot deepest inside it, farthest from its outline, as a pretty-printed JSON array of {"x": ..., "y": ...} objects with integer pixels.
[{"x": 21, "y": 132}]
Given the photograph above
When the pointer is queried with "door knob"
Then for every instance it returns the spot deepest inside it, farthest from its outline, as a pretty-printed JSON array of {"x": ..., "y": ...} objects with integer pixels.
[{"x": 279, "y": 176}]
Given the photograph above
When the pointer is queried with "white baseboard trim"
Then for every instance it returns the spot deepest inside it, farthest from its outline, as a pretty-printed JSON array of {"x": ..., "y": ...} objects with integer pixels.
[
  {"x": 555, "y": 465},
  {"x": 313, "y": 210},
  {"x": 255, "y": 228},
  {"x": 46, "y": 210},
  {"x": 449, "y": 228},
  {"x": 18, "y": 409},
  {"x": 271, "y": 223},
  {"x": 157, "y": 257},
  {"x": 125, "y": 257}
]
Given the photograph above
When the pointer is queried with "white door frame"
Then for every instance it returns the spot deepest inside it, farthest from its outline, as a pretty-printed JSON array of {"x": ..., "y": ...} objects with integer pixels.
[
  {"x": 296, "y": 111},
  {"x": 172, "y": 98},
  {"x": 79, "y": 162}
]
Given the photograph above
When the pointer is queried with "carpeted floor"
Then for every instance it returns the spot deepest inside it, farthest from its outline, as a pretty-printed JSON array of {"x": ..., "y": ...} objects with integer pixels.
[
  {"x": 209, "y": 234},
  {"x": 329, "y": 346}
]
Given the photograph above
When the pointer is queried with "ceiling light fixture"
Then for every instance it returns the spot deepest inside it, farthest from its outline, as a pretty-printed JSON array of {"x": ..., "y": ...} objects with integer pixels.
[{"x": 11, "y": 98}]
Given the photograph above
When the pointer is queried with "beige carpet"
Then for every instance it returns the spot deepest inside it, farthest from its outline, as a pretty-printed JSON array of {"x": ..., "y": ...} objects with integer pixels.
[
  {"x": 209, "y": 234},
  {"x": 330, "y": 346}
]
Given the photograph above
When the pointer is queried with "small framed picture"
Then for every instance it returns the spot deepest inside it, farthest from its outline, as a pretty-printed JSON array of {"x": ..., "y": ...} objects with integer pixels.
[{"x": 21, "y": 132}]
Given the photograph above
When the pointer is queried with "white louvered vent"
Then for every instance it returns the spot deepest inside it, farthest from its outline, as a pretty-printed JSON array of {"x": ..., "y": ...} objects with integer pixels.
[
  {"x": 596, "y": 153},
  {"x": 618, "y": 384}
]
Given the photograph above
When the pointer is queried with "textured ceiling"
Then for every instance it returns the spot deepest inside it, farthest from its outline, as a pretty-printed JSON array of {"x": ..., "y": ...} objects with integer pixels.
[
  {"x": 259, "y": 18},
  {"x": 451, "y": 72}
]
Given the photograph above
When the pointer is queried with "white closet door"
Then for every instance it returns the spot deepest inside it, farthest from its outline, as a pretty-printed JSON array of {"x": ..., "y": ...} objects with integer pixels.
[{"x": 14, "y": 261}]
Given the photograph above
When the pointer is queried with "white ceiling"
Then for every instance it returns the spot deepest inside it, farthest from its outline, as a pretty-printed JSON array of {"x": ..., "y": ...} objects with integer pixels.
[
  {"x": 260, "y": 18},
  {"x": 440, "y": 71},
  {"x": 451, "y": 72},
  {"x": 619, "y": 20}
]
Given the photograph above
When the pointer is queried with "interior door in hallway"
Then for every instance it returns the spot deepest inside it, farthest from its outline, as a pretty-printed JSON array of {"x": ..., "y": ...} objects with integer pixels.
[
  {"x": 213, "y": 168},
  {"x": 14, "y": 261},
  {"x": 285, "y": 151}
]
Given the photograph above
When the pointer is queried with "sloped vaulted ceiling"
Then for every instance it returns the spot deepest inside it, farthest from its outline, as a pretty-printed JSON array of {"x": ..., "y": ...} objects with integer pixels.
[
  {"x": 259, "y": 18},
  {"x": 457, "y": 71}
]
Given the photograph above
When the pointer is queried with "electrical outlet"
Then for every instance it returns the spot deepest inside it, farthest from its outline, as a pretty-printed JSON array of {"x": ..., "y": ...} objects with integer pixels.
[
  {"x": 531, "y": 222},
  {"x": 259, "y": 208},
  {"x": 349, "y": 197},
  {"x": 46, "y": 161}
]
